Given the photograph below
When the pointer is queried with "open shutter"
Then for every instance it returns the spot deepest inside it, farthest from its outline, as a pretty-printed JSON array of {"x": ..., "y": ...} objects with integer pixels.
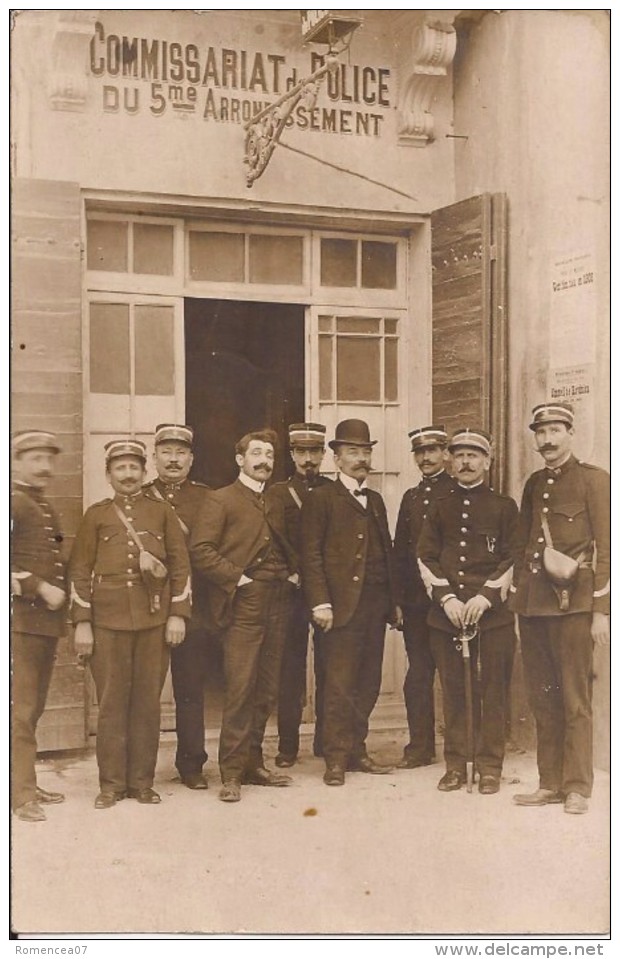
[
  {"x": 470, "y": 383},
  {"x": 47, "y": 389}
]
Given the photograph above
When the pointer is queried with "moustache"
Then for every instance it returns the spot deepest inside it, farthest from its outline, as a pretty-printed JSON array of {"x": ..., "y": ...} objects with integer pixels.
[
  {"x": 547, "y": 448},
  {"x": 465, "y": 469},
  {"x": 264, "y": 466}
]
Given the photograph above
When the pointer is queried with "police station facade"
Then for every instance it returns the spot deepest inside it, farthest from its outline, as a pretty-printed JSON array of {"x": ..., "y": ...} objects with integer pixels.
[{"x": 428, "y": 243}]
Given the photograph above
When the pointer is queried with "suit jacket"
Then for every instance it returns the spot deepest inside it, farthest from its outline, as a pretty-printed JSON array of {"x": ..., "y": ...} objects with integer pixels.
[
  {"x": 284, "y": 515},
  {"x": 230, "y": 535},
  {"x": 36, "y": 556},
  {"x": 334, "y": 531},
  {"x": 414, "y": 507},
  {"x": 467, "y": 547},
  {"x": 104, "y": 569},
  {"x": 576, "y": 499}
]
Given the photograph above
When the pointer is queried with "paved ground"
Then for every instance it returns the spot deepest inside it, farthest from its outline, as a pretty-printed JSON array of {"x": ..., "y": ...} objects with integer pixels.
[{"x": 383, "y": 854}]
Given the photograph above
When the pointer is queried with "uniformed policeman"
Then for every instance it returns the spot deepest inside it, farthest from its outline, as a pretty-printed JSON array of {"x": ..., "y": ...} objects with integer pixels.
[
  {"x": 562, "y": 611},
  {"x": 130, "y": 597},
  {"x": 173, "y": 458},
  {"x": 283, "y": 502},
  {"x": 466, "y": 553},
  {"x": 429, "y": 448},
  {"x": 39, "y": 611}
]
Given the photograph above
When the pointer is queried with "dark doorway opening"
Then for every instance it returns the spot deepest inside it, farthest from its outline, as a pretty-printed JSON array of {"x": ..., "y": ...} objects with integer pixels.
[{"x": 244, "y": 370}]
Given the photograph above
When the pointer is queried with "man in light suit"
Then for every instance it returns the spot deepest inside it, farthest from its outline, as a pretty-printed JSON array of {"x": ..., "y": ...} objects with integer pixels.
[
  {"x": 347, "y": 577},
  {"x": 233, "y": 547}
]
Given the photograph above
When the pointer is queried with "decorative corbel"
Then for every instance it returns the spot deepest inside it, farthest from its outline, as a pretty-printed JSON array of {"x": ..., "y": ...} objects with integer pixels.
[
  {"x": 68, "y": 82},
  {"x": 433, "y": 49}
]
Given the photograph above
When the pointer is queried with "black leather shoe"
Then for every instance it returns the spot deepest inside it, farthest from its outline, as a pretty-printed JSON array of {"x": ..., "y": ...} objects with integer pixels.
[
  {"x": 284, "y": 761},
  {"x": 540, "y": 797},
  {"x": 230, "y": 791},
  {"x": 30, "y": 812},
  {"x": 43, "y": 796},
  {"x": 576, "y": 804},
  {"x": 334, "y": 776},
  {"x": 451, "y": 780},
  {"x": 195, "y": 781},
  {"x": 146, "y": 796},
  {"x": 408, "y": 762},
  {"x": 364, "y": 764},
  {"x": 265, "y": 777},
  {"x": 105, "y": 800},
  {"x": 488, "y": 785}
]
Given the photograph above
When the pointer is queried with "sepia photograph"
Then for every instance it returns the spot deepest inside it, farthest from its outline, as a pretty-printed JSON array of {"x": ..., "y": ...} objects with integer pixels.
[{"x": 310, "y": 447}]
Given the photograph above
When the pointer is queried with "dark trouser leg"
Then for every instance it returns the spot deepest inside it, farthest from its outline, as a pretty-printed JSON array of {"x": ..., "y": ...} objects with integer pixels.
[
  {"x": 352, "y": 657},
  {"x": 277, "y": 616},
  {"x": 111, "y": 666},
  {"x": 557, "y": 655},
  {"x": 33, "y": 663},
  {"x": 150, "y": 664},
  {"x": 450, "y": 665},
  {"x": 418, "y": 687},
  {"x": 497, "y": 652},
  {"x": 241, "y": 645},
  {"x": 319, "y": 687},
  {"x": 189, "y": 669},
  {"x": 293, "y": 678}
]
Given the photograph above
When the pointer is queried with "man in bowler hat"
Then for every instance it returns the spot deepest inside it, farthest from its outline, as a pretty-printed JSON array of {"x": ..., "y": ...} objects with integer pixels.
[{"x": 348, "y": 581}]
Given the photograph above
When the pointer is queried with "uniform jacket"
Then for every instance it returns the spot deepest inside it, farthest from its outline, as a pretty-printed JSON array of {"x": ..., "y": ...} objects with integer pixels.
[
  {"x": 104, "y": 570},
  {"x": 230, "y": 535},
  {"x": 36, "y": 556},
  {"x": 335, "y": 545},
  {"x": 414, "y": 507},
  {"x": 467, "y": 547},
  {"x": 284, "y": 514},
  {"x": 186, "y": 499},
  {"x": 576, "y": 497}
]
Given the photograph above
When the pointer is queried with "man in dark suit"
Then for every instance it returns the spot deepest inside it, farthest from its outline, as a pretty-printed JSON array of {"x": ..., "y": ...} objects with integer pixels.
[
  {"x": 348, "y": 581},
  {"x": 39, "y": 611},
  {"x": 466, "y": 552},
  {"x": 428, "y": 446},
  {"x": 130, "y": 597},
  {"x": 233, "y": 547},
  {"x": 173, "y": 458},
  {"x": 283, "y": 502},
  {"x": 565, "y": 506}
]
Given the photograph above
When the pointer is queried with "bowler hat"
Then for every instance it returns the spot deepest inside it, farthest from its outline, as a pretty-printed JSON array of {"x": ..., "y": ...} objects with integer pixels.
[{"x": 352, "y": 433}]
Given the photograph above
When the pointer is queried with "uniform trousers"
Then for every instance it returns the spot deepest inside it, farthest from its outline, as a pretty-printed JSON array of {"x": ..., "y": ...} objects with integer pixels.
[
  {"x": 418, "y": 686},
  {"x": 353, "y": 659},
  {"x": 252, "y": 652},
  {"x": 188, "y": 665},
  {"x": 292, "y": 695},
  {"x": 557, "y": 657},
  {"x": 490, "y": 697},
  {"x": 33, "y": 663},
  {"x": 129, "y": 669}
]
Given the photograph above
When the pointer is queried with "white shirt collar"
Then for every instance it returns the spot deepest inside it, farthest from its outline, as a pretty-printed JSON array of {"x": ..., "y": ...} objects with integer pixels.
[
  {"x": 473, "y": 486},
  {"x": 252, "y": 484},
  {"x": 351, "y": 483}
]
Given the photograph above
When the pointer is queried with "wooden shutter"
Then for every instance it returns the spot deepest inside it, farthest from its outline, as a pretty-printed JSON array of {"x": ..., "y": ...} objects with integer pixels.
[
  {"x": 47, "y": 389},
  {"x": 470, "y": 383}
]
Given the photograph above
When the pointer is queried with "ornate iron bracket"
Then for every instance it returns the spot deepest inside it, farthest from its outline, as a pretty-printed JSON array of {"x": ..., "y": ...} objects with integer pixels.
[{"x": 433, "y": 49}]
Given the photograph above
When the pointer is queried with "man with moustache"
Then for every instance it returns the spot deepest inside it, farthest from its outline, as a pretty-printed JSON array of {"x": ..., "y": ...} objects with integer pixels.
[
  {"x": 173, "y": 458},
  {"x": 283, "y": 503},
  {"x": 428, "y": 445},
  {"x": 127, "y": 616},
  {"x": 348, "y": 581},
  {"x": 565, "y": 506},
  {"x": 39, "y": 611},
  {"x": 466, "y": 554},
  {"x": 233, "y": 547}
]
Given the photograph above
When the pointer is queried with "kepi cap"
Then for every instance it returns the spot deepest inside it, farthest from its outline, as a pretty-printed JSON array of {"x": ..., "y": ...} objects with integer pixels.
[
  {"x": 174, "y": 432},
  {"x": 352, "y": 433},
  {"x": 129, "y": 447},
  {"x": 552, "y": 413},
  {"x": 306, "y": 435},
  {"x": 477, "y": 439},
  {"x": 34, "y": 440},
  {"x": 428, "y": 436}
]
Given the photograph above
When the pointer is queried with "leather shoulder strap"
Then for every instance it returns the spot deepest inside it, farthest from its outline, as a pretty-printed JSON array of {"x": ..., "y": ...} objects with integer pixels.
[{"x": 129, "y": 527}]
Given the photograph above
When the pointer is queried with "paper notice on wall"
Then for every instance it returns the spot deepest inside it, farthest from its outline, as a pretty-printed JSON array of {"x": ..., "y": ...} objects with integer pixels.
[
  {"x": 572, "y": 321},
  {"x": 575, "y": 385}
]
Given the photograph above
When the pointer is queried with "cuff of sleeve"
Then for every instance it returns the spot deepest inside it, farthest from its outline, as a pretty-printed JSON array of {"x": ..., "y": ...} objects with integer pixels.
[
  {"x": 321, "y": 606},
  {"x": 494, "y": 596},
  {"x": 601, "y": 604},
  {"x": 80, "y": 615},
  {"x": 30, "y": 585},
  {"x": 444, "y": 599},
  {"x": 442, "y": 593}
]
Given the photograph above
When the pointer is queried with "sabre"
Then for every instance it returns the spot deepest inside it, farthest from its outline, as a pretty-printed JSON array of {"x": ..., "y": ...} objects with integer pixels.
[{"x": 464, "y": 638}]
